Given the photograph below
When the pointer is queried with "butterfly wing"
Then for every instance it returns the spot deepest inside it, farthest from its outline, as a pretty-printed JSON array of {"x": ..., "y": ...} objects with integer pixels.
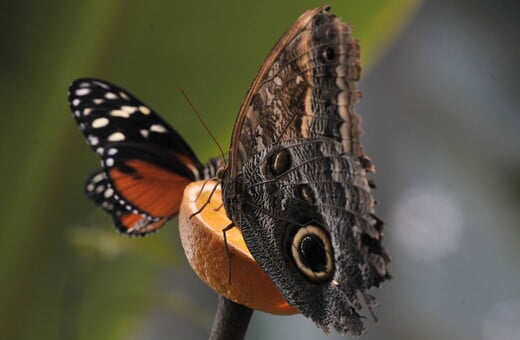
[
  {"x": 305, "y": 88},
  {"x": 296, "y": 185},
  {"x": 146, "y": 164}
]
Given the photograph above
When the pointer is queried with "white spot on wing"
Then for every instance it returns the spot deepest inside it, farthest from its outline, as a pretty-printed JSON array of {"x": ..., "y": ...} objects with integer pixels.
[
  {"x": 111, "y": 95},
  {"x": 75, "y": 102},
  {"x": 108, "y": 193},
  {"x": 158, "y": 128},
  {"x": 124, "y": 95},
  {"x": 100, "y": 122},
  {"x": 144, "y": 133},
  {"x": 98, "y": 101},
  {"x": 92, "y": 140},
  {"x": 145, "y": 110},
  {"x": 87, "y": 111},
  {"x": 129, "y": 109},
  {"x": 109, "y": 162},
  {"x": 111, "y": 151},
  {"x": 116, "y": 137},
  {"x": 98, "y": 178},
  {"x": 82, "y": 91},
  {"x": 103, "y": 85},
  {"x": 119, "y": 113},
  {"x": 100, "y": 151}
]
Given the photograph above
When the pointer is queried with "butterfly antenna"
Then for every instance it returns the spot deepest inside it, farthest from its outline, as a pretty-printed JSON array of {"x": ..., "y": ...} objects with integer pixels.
[{"x": 199, "y": 117}]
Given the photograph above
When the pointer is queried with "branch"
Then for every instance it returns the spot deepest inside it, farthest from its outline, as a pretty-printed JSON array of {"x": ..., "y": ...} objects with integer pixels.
[{"x": 231, "y": 320}]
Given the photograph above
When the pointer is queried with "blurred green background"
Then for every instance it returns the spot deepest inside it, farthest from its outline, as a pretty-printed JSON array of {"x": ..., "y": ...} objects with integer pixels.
[{"x": 441, "y": 121}]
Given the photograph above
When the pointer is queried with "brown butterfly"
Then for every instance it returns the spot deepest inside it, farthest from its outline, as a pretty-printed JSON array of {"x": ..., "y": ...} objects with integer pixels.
[{"x": 296, "y": 183}]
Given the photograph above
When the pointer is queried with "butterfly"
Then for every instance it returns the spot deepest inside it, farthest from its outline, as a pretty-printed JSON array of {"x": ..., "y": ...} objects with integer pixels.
[
  {"x": 296, "y": 183},
  {"x": 145, "y": 163}
]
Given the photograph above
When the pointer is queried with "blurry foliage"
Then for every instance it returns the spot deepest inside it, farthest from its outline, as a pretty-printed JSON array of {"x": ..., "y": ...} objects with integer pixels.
[{"x": 64, "y": 272}]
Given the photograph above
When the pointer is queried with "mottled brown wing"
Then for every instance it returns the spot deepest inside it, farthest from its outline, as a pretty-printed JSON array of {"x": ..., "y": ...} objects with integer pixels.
[
  {"x": 305, "y": 88},
  {"x": 296, "y": 185}
]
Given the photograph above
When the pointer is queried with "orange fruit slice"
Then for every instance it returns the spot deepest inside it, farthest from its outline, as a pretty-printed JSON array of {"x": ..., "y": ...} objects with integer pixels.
[{"x": 203, "y": 243}]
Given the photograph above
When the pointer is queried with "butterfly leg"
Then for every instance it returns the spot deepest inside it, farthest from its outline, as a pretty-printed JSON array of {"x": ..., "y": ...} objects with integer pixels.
[
  {"x": 202, "y": 187},
  {"x": 228, "y": 253},
  {"x": 207, "y": 201}
]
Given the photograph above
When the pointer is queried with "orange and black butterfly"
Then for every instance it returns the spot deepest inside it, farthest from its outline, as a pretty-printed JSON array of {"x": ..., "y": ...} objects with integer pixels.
[{"x": 145, "y": 163}]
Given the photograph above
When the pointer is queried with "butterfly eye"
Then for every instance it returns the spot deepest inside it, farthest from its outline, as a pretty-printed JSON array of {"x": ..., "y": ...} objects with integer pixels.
[
  {"x": 279, "y": 163},
  {"x": 312, "y": 252}
]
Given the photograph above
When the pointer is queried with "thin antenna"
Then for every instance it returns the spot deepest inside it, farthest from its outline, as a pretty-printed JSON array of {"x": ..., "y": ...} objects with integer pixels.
[{"x": 203, "y": 124}]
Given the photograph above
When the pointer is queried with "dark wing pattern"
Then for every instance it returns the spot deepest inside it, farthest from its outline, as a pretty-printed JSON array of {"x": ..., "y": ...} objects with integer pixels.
[
  {"x": 296, "y": 183},
  {"x": 146, "y": 163}
]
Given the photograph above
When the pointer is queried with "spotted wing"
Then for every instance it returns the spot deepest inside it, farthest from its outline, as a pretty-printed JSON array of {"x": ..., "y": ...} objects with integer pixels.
[{"x": 146, "y": 164}]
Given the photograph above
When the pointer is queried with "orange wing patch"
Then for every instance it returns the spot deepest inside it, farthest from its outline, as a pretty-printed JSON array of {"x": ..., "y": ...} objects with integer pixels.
[{"x": 149, "y": 188}]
